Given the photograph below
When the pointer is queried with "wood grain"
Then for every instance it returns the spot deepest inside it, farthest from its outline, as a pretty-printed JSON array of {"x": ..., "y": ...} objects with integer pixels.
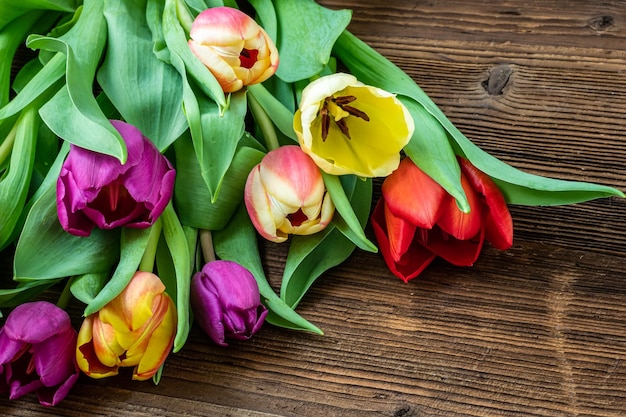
[{"x": 538, "y": 330}]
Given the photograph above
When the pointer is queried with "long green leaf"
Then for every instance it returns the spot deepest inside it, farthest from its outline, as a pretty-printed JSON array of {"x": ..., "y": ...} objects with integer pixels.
[
  {"x": 280, "y": 115},
  {"x": 14, "y": 185},
  {"x": 150, "y": 94},
  {"x": 306, "y": 34},
  {"x": 177, "y": 244},
  {"x": 87, "y": 286},
  {"x": 25, "y": 291},
  {"x": 11, "y": 9},
  {"x": 237, "y": 242},
  {"x": 132, "y": 247},
  {"x": 81, "y": 122},
  {"x": 347, "y": 212}
]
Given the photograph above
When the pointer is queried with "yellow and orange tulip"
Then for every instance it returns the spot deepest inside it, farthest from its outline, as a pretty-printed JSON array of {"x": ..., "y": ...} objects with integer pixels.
[{"x": 136, "y": 328}]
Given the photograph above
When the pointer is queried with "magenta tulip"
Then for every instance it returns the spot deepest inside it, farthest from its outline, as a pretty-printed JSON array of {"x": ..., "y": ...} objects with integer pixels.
[
  {"x": 37, "y": 345},
  {"x": 226, "y": 302},
  {"x": 94, "y": 189},
  {"x": 416, "y": 220}
]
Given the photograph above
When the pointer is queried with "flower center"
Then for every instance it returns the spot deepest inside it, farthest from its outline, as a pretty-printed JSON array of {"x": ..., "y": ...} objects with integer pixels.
[
  {"x": 248, "y": 57},
  {"x": 339, "y": 109}
]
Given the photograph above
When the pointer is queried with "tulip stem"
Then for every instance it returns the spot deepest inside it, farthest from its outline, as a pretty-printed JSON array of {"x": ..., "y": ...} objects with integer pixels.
[
  {"x": 264, "y": 122},
  {"x": 206, "y": 243},
  {"x": 149, "y": 254},
  {"x": 7, "y": 145},
  {"x": 66, "y": 295}
]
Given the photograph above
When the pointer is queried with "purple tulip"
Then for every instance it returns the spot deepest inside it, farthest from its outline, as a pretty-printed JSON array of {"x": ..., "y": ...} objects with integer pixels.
[
  {"x": 37, "y": 353},
  {"x": 226, "y": 302},
  {"x": 94, "y": 189}
]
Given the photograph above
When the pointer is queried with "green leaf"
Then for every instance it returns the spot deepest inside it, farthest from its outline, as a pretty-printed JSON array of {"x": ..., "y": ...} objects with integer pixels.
[
  {"x": 518, "y": 187},
  {"x": 85, "y": 287},
  {"x": 347, "y": 212},
  {"x": 180, "y": 254},
  {"x": 14, "y": 184},
  {"x": 266, "y": 17},
  {"x": 149, "y": 95},
  {"x": 280, "y": 115},
  {"x": 429, "y": 148},
  {"x": 81, "y": 122},
  {"x": 25, "y": 291},
  {"x": 221, "y": 131},
  {"x": 11, "y": 9},
  {"x": 192, "y": 197},
  {"x": 306, "y": 34},
  {"x": 176, "y": 41},
  {"x": 310, "y": 256},
  {"x": 132, "y": 247},
  {"x": 522, "y": 188},
  {"x": 237, "y": 242},
  {"x": 44, "y": 250},
  {"x": 10, "y": 38}
]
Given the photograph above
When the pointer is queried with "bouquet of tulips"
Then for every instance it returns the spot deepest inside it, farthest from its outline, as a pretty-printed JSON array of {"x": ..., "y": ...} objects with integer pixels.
[{"x": 148, "y": 145}]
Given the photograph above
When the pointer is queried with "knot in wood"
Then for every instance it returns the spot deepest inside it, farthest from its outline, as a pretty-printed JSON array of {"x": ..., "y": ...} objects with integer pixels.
[
  {"x": 601, "y": 23},
  {"x": 498, "y": 79}
]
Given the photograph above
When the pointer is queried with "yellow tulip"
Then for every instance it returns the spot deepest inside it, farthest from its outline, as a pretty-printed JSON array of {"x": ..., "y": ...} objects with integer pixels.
[
  {"x": 136, "y": 328},
  {"x": 347, "y": 127},
  {"x": 236, "y": 50}
]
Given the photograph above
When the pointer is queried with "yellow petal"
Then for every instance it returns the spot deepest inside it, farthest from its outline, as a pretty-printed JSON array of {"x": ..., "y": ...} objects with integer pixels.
[{"x": 372, "y": 147}]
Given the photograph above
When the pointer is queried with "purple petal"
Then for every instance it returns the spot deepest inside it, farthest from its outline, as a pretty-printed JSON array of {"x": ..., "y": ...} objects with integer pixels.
[
  {"x": 36, "y": 321},
  {"x": 51, "y": 396},
  {"x": 55, "y": 358}
]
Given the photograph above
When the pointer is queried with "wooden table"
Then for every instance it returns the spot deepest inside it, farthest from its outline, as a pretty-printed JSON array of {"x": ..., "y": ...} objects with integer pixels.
[{"x": 538, "y": 330}]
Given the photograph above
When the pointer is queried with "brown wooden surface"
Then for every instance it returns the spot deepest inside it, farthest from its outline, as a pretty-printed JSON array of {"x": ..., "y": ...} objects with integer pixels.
[{"x": 539, "y": 330}]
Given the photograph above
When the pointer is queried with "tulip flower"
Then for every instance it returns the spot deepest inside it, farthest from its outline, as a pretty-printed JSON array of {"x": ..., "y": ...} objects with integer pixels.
[
  {"x": 236, "y": 50},
  {"x": 37, "y": 345},
  {"x": 285, "y": 194},
  {"x": 94, "y": 189},
  {"x": 416, "y": 220},
  {"x": 351, "y": 128},
  {"x": 136, "y": 328},
  {"x": 226, "y": 302}
]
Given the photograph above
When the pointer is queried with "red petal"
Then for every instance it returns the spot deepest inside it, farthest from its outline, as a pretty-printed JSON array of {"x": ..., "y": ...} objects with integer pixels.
[
  {"x": 457, "y": 252},
  {"x": 498, "y": 223},
  {"x": 412, "y": 195},
  {"x": 399, "y": 232},
  {"x": 461, "y": 225},
  {"x": 412, "y": 263}
]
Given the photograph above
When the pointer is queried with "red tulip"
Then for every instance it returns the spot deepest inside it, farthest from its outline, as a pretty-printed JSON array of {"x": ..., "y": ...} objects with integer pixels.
[{"x": 416, "y": 220}]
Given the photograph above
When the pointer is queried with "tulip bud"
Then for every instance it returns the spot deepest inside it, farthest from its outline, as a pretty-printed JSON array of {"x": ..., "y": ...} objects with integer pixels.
[
  {"x": 285, "y": 194},
  {"x": 226, "y": 302},
  {"x": 351, "y": 128},
  {"x": 94, "y": 189},
  {"x": 233, "y": 47},
  {"x": 37, "y": 346},
  {"x": 136, "y": 328}
]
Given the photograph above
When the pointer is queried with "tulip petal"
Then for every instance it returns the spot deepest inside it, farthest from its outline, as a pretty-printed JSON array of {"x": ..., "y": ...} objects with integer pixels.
[
  {"x": 456, "y": 223},
  {"x": 457, "y": 252},
  {"x": 54, "y": 358},
  {"x": 35, "y": 322},
  {"x": 86, "y": 356},
  {"x": 259, "y": 207},
  {"x": 498, "y": 223},
  {"x": 160, "y": 339},
  {"x": 415, "y": 259},
  {"x": 51, "y": 396},
  {"x": 412, "y": 195},
  {"x": 400, "y": 234}
]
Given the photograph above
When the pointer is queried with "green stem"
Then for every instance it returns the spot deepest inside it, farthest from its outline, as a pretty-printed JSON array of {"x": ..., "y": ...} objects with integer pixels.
[
  {"x": 147, "y": 260},
  {"x": 184, "y": 16},
  {"x": 66, "y": 295},
  {"x": 206, "y": 243},
  {"x": 265, "y": 123},
  {"x": 7, "y": 145}
]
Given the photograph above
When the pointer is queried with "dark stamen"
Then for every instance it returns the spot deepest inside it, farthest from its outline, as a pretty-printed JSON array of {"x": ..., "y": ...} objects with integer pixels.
[
  {"x": 342, "y": 102},
  {"x": 356, "y": 112},
  {"x": 341, "y": 124}
]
